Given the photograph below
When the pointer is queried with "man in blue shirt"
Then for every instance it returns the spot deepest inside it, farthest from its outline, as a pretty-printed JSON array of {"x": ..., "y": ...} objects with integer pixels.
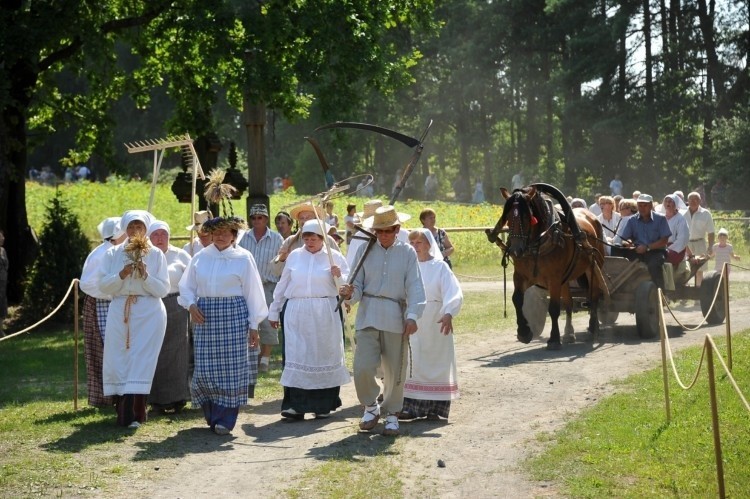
[{"x": 647, "y": 234}]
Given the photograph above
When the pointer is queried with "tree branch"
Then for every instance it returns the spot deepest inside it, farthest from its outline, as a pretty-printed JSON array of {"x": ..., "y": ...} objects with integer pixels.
[{"x": 112, "y": 26}]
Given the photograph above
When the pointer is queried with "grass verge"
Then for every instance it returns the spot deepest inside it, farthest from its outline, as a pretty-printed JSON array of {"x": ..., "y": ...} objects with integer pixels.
[{"x": 624, "y": 446}]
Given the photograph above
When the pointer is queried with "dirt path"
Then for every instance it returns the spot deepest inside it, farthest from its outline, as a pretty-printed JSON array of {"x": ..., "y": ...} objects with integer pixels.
[{"x": 510, "y": 392}]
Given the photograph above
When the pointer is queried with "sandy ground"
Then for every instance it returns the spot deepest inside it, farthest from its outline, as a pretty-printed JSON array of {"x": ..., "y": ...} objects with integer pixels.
[{"x": 509, "y": 393}]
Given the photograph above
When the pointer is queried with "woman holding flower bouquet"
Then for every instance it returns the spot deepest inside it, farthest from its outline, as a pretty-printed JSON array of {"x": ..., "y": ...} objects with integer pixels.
[{"x": 135, "y": 274}]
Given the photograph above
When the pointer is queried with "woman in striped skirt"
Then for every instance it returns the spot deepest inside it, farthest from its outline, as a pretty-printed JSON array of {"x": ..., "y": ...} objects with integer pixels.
[
  {"x": 222, "y": 290},
  {"x": 95, "y": 307}
]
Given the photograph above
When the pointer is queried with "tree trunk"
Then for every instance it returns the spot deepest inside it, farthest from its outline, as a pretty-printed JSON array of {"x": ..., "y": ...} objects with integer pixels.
[
  {"x": 713, "y": 66},
  {"x": 650, "y": 125},
  {"x": 20, "y": 240}
]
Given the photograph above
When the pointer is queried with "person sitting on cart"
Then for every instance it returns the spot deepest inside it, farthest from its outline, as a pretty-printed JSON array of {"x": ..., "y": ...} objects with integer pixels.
[{"x": 646, "y": 234}]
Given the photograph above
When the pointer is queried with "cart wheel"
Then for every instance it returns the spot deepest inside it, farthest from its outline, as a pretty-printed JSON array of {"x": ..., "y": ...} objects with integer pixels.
[
  {"x": 647, "y": 310},
  {"x": 711, "y": 281},
  {"x": 607, "y": 317}
]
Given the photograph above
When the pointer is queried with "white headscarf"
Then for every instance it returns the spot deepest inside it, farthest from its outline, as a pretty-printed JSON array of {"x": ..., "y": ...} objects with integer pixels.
[
  {"x": 434, "y": 248},
  {"x": 156, "y": 225},
  {"x": 132, "y": 215}
]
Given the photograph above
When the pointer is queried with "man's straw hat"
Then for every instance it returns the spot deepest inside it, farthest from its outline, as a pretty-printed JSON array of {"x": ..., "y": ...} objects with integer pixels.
[
  {"x": 301, "y": 208},
  {"x": 385, "y": 216},
  {"x": 199, "y": 218},
  {"x": 370, "y": 207}
]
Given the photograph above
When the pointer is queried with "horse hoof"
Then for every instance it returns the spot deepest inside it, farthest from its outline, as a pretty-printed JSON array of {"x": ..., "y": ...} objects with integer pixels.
[
  {"x": 554, "y": 346},
  {"x": 569, "y": 338},
  {"x": 524, "y": 337}
]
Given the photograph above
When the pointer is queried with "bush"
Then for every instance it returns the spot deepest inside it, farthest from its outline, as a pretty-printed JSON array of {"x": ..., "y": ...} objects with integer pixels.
[{"x": 63, "y": 248}]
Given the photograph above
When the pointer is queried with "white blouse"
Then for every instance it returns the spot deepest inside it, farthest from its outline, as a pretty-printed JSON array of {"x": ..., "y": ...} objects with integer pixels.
[
  {"x": 307, "y": 275},
  {"x": 89, "y": 282},
  {"x": 157, "y": 283},
  {"x": 232, "y": 272},
  {"x": 177, "y": 262}
]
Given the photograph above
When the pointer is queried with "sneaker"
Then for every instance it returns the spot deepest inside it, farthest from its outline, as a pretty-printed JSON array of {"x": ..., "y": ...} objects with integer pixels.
[
  {"x": 323, "y": 415},
  {"x": 370, "y": 418},
  {"x": 292, "y": 414},
  {"x": 221, "y": 430},
  {"x": 391, "y": 425},
  {"x": 134, "y": 425},
  {"x": 264, "y": 363}
]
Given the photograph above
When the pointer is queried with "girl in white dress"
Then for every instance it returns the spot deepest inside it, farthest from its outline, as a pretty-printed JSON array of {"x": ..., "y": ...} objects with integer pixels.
[{"x": 432, "y": 381}]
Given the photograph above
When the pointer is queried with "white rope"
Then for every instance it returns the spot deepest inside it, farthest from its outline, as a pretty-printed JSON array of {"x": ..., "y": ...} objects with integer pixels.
[{"x": 70, "y": 288}]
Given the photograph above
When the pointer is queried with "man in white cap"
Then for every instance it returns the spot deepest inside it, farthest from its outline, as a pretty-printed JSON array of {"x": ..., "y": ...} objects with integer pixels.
[
  {"x": 264, "y": 244},
  {"x": 647, "y": 233},
  {"x": 95, "y": 306},
  {"x": 392, "y": 297}
]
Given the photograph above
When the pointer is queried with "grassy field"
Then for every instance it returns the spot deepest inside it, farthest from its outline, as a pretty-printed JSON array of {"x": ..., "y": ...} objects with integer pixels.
[
  {"x": 92, "y": 202},
  {"x": 624, "y": 446}
]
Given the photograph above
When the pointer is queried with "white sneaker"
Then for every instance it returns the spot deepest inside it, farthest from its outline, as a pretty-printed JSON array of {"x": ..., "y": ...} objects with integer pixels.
[
  {"x": 134, "y": 425},
  {"x": 221, "y": 430},
  {"x": 391, "y": 425},
  {"x": 370, "y": 418}
]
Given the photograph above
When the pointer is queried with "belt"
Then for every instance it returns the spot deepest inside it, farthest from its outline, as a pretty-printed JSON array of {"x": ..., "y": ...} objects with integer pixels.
[
  {"x": 400, "y": 302},
  {"x": 696, "y": 240}
]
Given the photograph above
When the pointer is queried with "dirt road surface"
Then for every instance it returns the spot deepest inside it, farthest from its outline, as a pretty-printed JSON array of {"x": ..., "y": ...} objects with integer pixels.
[{"x": 509, "y": 393}]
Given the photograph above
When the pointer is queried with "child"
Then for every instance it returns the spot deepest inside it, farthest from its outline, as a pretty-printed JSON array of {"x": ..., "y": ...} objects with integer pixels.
[
  {"x": 723, "y": 251},
  {"x": 331, "y": 218},
  {"x": 350, "y": 219}
]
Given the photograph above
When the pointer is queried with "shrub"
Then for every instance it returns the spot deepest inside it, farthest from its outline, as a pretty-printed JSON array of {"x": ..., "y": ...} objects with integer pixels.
[{"x": 63, "y": 248}]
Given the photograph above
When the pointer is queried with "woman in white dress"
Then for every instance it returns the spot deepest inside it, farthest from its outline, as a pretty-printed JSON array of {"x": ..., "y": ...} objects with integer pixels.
[
  {"x": 432, "y": 381},
  {"x": 136, "y": 320},
  {"x": 222, "y": 290},
  {"x": 304, "y": 302}
]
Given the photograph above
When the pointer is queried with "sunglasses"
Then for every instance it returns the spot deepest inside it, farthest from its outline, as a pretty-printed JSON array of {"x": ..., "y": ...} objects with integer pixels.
[{"x": 385, "y": 231}]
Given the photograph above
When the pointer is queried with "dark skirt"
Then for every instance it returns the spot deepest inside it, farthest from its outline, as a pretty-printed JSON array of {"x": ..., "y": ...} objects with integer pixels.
[
  {"x": 93, "y": 348},
  {"x": 426, "y": 408},
  {"x": 170, "y": 389},
  {"x": 318, "y": 401},
  {"x": 130, "y": 408}
]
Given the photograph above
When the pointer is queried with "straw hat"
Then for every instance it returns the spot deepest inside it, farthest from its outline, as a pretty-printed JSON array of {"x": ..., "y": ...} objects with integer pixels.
[
  {"x": 199, "y": 218},
  {"x": 385, "y": 216},
  {"x": 300, "y": 208},
  {"x": 370, "y": 207}
]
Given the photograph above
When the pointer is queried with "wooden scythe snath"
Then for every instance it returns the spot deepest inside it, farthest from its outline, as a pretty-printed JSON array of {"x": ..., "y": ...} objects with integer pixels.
[
  {"x": 417, "y": 144},
  {"x": 158, "y": 146}
]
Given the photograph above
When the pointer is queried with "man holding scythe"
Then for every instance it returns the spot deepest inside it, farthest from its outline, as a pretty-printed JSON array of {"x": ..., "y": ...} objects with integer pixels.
[{"x": 392, "y": 297}]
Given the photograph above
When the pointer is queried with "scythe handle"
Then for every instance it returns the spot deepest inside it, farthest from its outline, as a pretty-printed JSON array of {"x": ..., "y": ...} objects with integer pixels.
[{"x": 370, "y": 243}]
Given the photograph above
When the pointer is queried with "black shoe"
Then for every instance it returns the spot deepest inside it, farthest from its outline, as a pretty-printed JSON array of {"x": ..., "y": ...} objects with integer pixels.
[{"x": 292, "y": 414}]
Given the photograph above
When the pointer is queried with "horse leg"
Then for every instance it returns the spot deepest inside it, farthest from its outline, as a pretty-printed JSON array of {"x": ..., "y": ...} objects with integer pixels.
[
  {"x": 554, "y": 314},
  {"x": 593, "y": 310},
  {"x": 523, "y": 332},
  {"x": 569, "y": 335}
]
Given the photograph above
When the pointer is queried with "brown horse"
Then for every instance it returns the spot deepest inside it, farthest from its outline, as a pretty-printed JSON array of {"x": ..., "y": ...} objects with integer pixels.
[{"x": 549, "y": 249}]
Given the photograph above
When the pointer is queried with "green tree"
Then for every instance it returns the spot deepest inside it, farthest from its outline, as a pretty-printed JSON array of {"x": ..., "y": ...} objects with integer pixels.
[
  {"x": 63, "y": 247},
  {"x": 282, "y": 54}
]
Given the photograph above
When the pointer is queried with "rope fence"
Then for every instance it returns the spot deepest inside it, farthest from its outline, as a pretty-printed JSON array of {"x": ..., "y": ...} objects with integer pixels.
[
  {"x": 72, "y": 288},
  {"x": 708, "y": 353}
]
